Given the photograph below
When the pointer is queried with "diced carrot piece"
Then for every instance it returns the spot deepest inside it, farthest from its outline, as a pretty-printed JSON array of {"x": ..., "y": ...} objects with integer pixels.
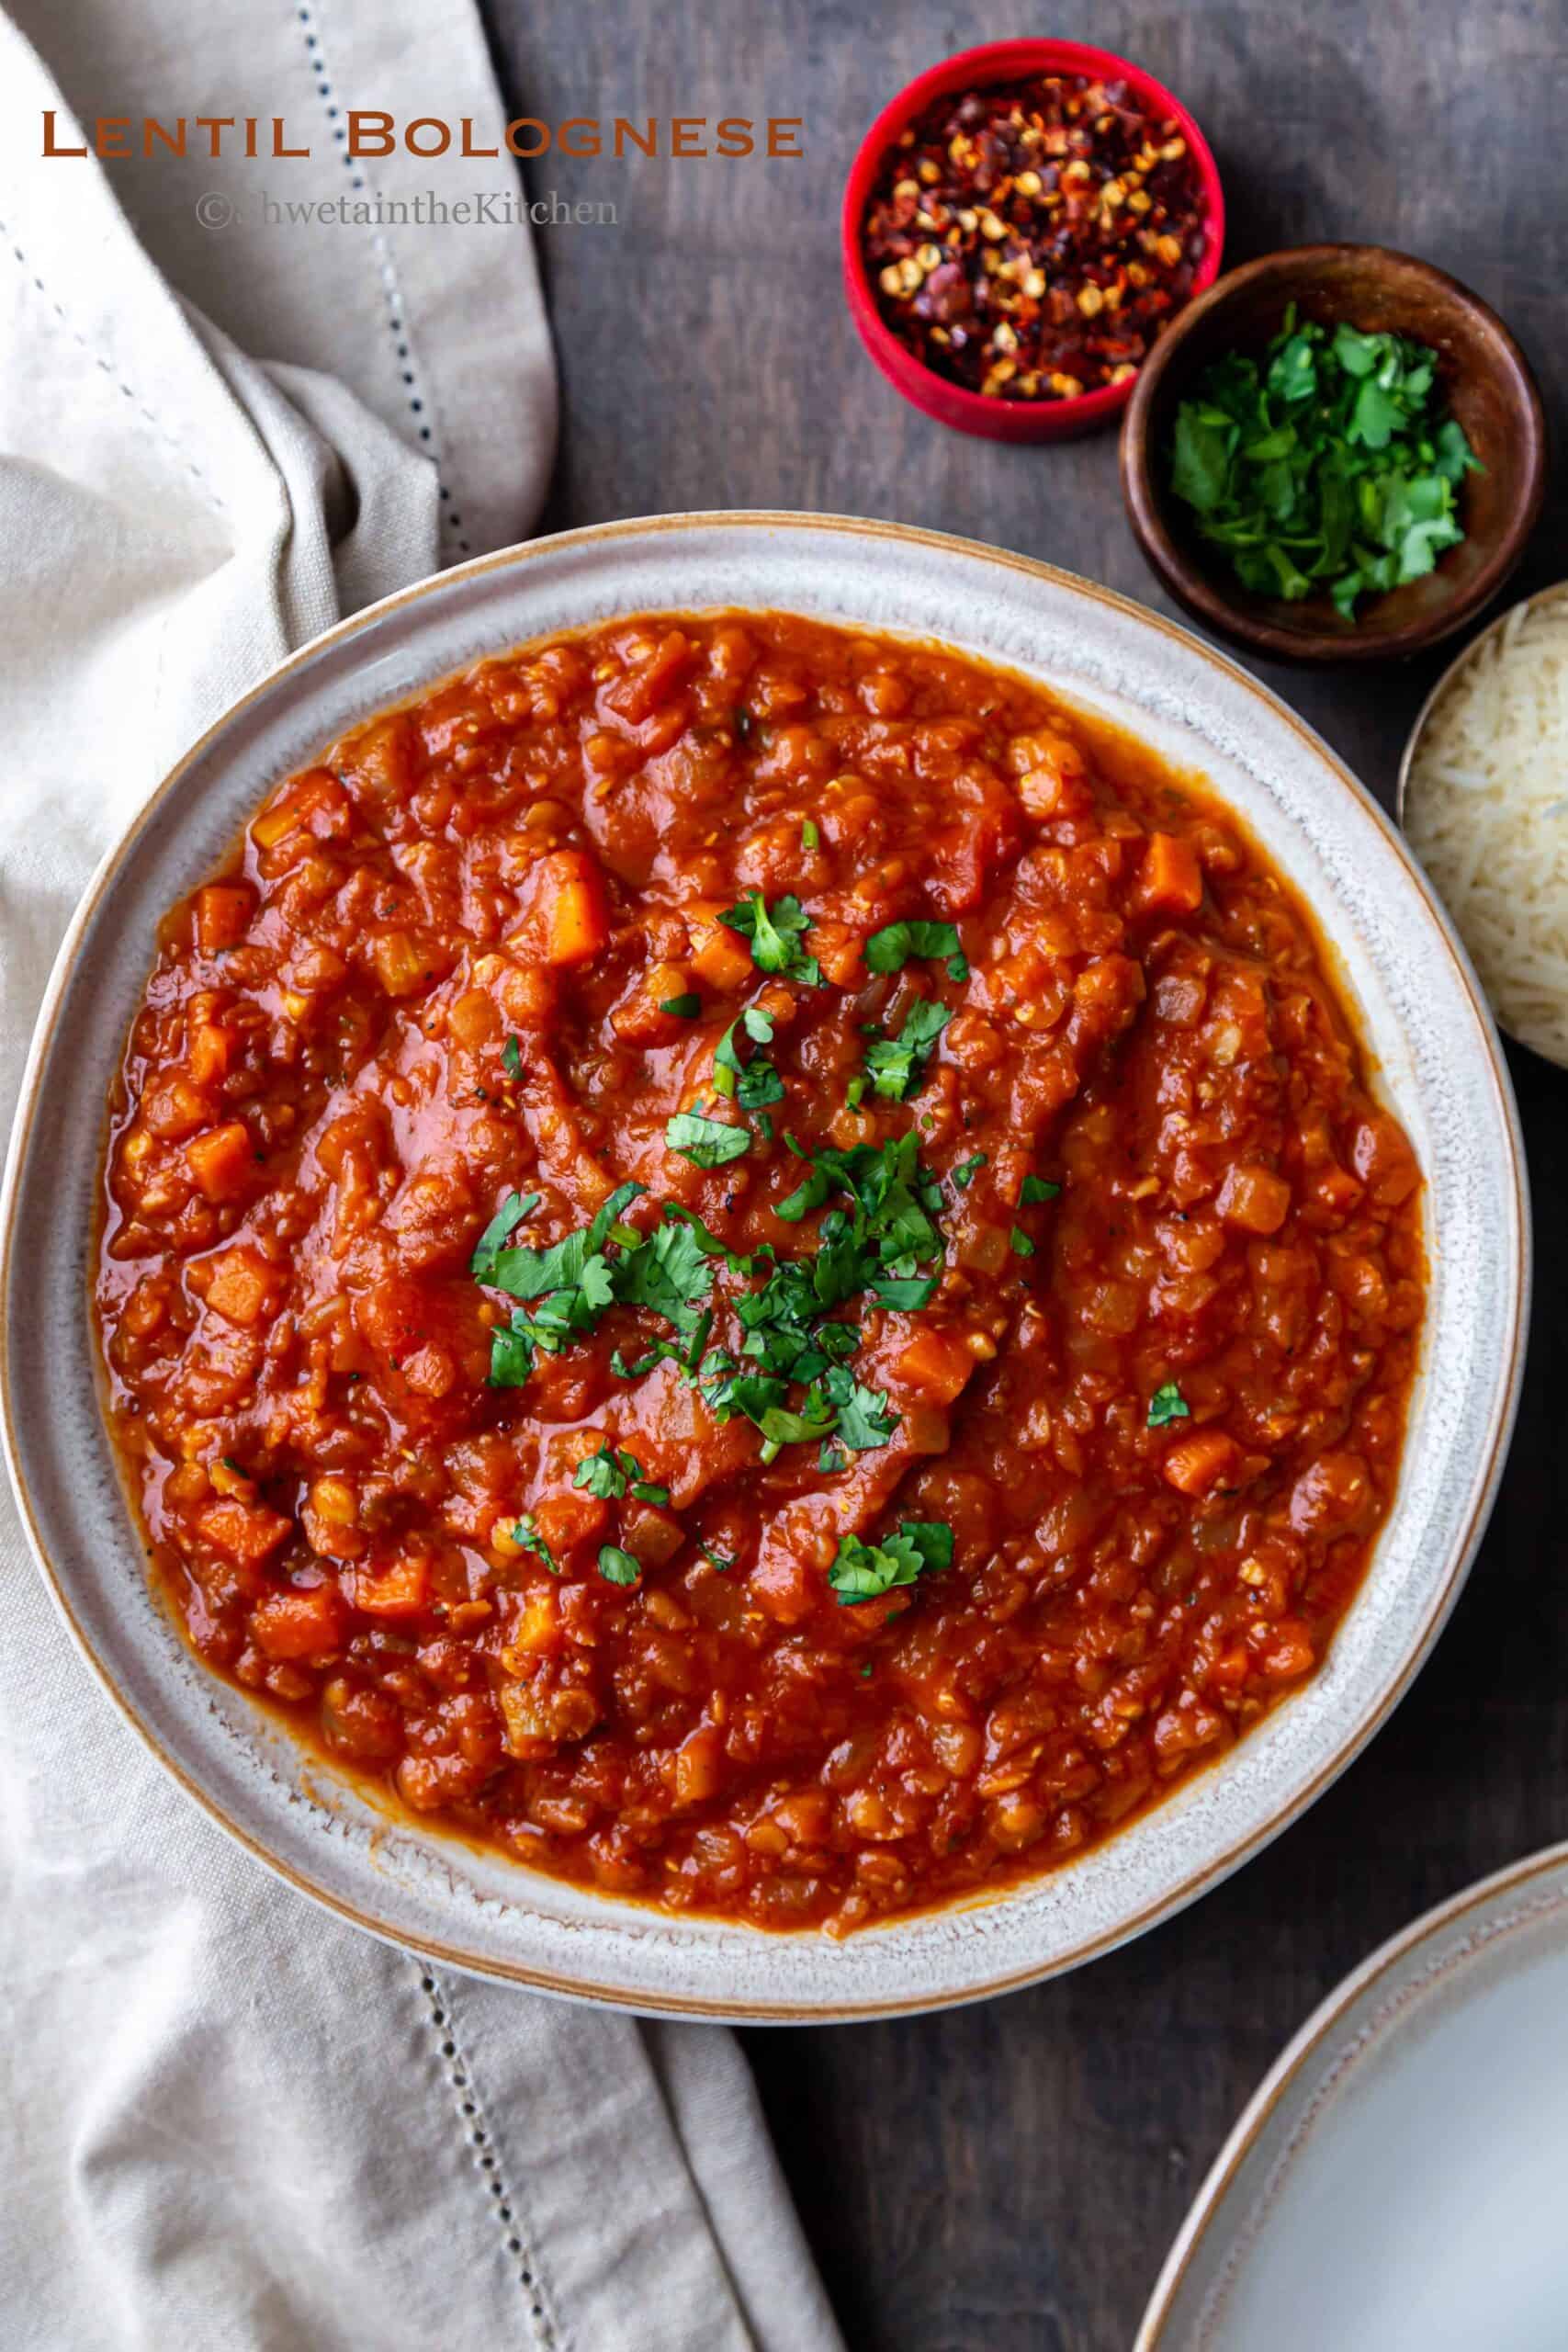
[
  {"x": 1171, "y": 880},
  {"x": 841, "y": 952},
  {"x": 379, "y": 762},
  {"x": 571, "y": 1517},
  {"x": 1286, "y": 1651},
  {"x": 275, "y": 823},
  {"x": 244, "y": 1532},
  {"x": 299, "y": 1624},
  {"x": 699, "y": 1763},
  {"x": 1200, "y": 1463},
  {"x": 401, "y": 965},
  {"x": 173, "y": 1107},
  {"x": 720, "y": 956},
  {"x": 1332, "y": 1188},
  {"x": 577, "y": 914},
  {"x": 474, "y": 1020},
  {"x": 782, "y": 1584},
  {"x": 212, "y": 1053},
  {"x": 566, "y": 914},
  {"x": 639, "y": 693},
  {"x": 653, "y": 1534},
  {"x": 538, "y": 1630},
  {"x": 527, "y": 995},
  {"x": 1384, "y": 1161},
  {"x": 430, "y": 1372},
  {"x": 223, "y": 915},
  {"x": 401, "y": 1588},
  {"x": 239, "y": 1286},
  {"x": 223, "y": 1161},
  {"x": 936, "y": 1364},
  {"x": 638, "y": 1019},
  {"x": 330, "y": 1517},
  {"x": 1254, "y": 1198}
]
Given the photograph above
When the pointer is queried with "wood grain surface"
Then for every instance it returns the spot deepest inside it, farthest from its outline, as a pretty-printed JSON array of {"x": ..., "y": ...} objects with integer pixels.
[{"x": 1010, "y": 2176}]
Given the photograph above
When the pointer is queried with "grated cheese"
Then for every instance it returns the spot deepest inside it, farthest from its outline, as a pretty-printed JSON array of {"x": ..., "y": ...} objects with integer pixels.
[{"x": 1486, "y": 812}]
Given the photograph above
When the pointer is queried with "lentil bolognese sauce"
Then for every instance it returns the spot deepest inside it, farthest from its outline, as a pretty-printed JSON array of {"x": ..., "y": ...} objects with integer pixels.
[{"x": 759, "y": 1262}]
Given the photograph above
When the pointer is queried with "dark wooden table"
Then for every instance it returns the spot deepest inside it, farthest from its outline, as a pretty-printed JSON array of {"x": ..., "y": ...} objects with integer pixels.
[{"x": 1011, "y": 2176}]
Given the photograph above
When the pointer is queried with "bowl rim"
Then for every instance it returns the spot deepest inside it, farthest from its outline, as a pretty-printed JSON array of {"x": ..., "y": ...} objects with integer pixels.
[
  {"x": 1304, "y": 2045},
  {"x": 982, "y": 66},
  {"x": 1151, "y": 1911},
  {"x": 1194, "y": 588}
]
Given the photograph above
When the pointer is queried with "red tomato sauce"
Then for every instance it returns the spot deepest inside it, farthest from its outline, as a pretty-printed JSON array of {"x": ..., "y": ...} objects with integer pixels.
[{"x": 759, "y": 1264}]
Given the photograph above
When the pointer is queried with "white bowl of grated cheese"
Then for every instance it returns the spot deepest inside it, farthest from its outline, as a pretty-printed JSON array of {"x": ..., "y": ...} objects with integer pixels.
[{"x": 1484, "y": 801}]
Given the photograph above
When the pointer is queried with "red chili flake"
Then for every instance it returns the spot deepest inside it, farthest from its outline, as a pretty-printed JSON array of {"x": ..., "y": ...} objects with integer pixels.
[{"x": 1029, "y": 242}]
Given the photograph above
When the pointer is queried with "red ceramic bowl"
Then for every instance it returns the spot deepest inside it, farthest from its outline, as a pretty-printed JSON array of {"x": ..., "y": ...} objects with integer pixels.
[{"x": 977, "y": 69}]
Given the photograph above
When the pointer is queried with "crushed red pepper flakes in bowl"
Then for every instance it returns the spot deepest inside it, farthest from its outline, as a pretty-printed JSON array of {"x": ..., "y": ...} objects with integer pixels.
[{"x": 1015, "y": 240}]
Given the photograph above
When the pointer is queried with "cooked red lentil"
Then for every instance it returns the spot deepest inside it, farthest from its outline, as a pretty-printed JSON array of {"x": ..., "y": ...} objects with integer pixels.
[
  {"x": 1029, "y": 240},
  {"x": 758, "y": 1264}
]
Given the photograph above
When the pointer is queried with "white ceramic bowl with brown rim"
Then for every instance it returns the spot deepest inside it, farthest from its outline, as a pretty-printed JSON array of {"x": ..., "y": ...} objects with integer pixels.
[{"x": 1439, "y": 1063}]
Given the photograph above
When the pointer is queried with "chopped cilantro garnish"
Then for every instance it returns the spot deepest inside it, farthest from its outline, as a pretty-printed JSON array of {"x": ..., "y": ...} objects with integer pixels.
[
  {"x": 669, "y": 1273},
  {"x": 865, "y": 1419},
  {"x": 895, "y": 1065},
  {"x": 685, "y": 1007},
  {"x": 866, "y": 1571},
  {"x": 570, "y": 1284},
  {"x": 781, "y": 1428},
  {"x": 775, "y": 934},
  {"x": 1327, "y": 465},
  {"x": 512, "y": 1057},
  {"x": 794, "y": 1379},
  {"x": 1167, "y": 1404},
  {"x": 753, "y": 1083},
  {"x": 527, "y": 1536},
  {"x": 791, "y": 1334},
  {"x": 893, "y": 1197},
  {"x": 889, "y": 949},
  {"x": 610, "y": 1474},
  {"x": 963, "y": 1175},
  {"x": 617, "y": 1567},
  {"x": 706, "y": 1143},
  {"x": 1020, "y": 1242},
  {"x": 829, "y": 1459},
  {"x": 601, "y": 1475},
  {"x": 809, "y": 836},
  {"x": 511, "y": 1212},
  {"x": 909, "y": 1295},
  {"x": 718, "y": 1560},
  {"x": 1035, "y": 1188}
]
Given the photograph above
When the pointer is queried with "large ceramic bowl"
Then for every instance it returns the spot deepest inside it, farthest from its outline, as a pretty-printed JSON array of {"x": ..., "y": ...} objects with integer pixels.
[{"x": 1439, "y": 1064}]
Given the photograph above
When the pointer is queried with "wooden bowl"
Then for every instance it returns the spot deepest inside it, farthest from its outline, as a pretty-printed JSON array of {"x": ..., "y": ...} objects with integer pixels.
[{"x": 1489, "y": 387}]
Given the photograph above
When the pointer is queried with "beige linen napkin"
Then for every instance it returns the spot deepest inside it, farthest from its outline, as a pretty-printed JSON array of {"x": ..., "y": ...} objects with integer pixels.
[{"x": 225, "y": 2119}]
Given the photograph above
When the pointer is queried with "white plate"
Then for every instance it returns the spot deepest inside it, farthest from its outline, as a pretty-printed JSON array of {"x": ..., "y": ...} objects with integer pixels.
[
  {"x": 1440, "y": 1065},
  {"x": 1400, "y": 2179}
]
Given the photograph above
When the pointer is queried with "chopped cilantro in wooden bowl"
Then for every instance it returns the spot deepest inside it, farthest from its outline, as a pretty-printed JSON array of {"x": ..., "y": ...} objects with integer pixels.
[
  {"x": 1330, "y": 463},
  {"x": 1336, "y": 454}
]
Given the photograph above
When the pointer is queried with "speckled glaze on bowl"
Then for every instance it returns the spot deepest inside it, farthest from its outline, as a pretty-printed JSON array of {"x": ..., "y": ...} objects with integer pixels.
[{"x": 1441, "y": 1066}]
